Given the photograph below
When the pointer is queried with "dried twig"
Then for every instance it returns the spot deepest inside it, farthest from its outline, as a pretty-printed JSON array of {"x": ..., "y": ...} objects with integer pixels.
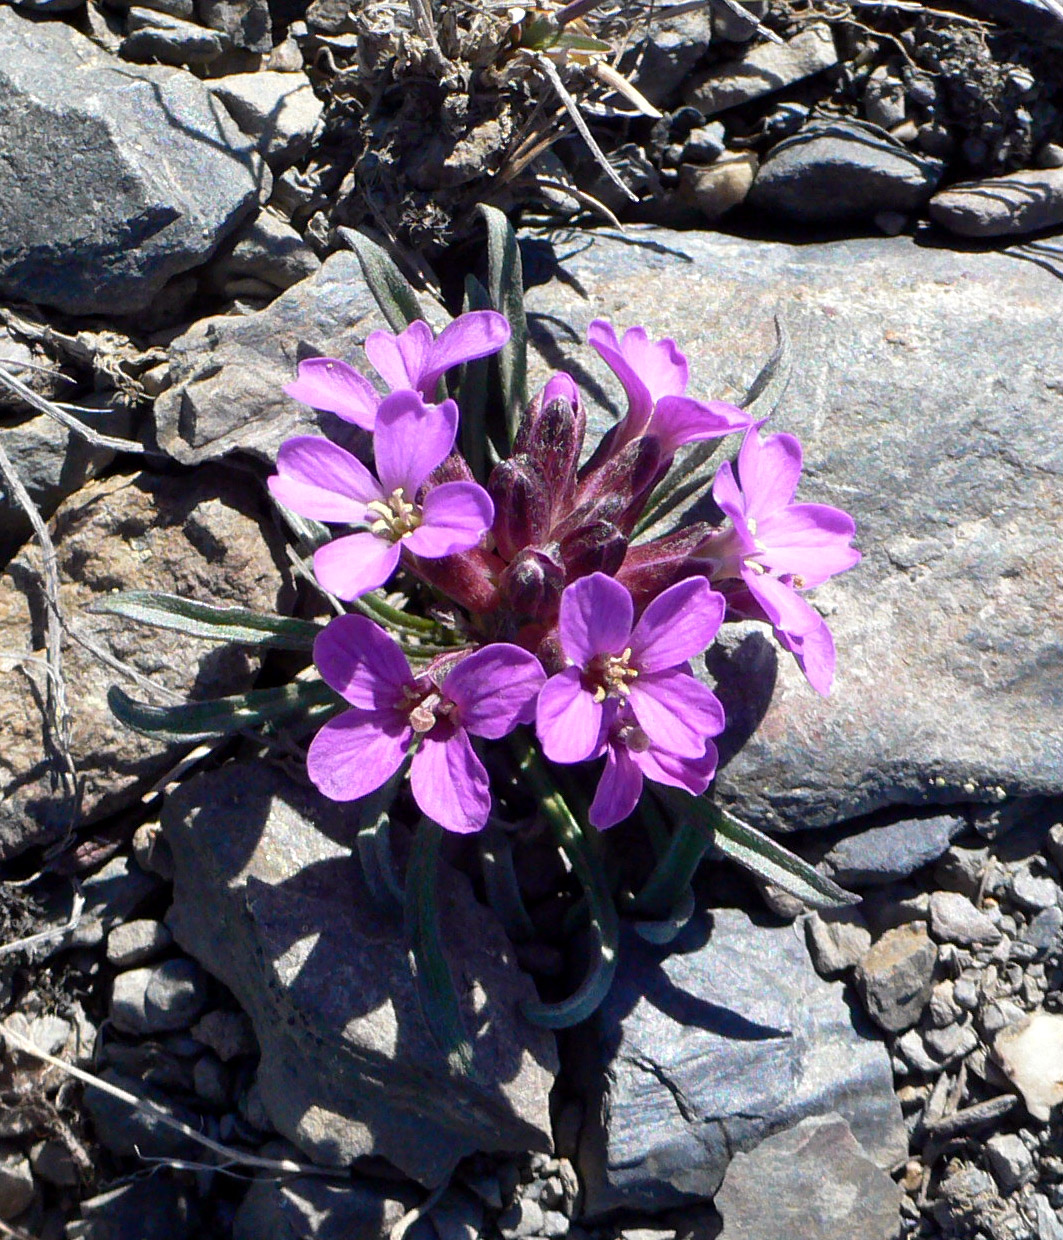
[
  {"x": 68, "y": 420},
  {"x": 43, "y": 936},
  {"x": 145, "y": 1106}
]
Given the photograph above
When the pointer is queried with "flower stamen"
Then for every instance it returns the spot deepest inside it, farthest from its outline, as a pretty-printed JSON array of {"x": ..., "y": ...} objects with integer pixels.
[
  {"x": 397, "y": 518},
  {"x": 612, "y": 673}
]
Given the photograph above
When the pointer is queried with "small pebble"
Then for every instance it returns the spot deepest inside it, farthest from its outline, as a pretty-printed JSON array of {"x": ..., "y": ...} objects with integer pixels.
[
  {"x": 158, "y": 998},
  {"x": 954, "y": 919},
  {"x": 1009, "y": 1160},
  {"x": 1032, "y": 892},
  {"x": 522, "y": 1217},
  {"x": 16, "y": 1183},
  {"x": 53, "y": 1162},
  {"x": 136, "y": 942}
]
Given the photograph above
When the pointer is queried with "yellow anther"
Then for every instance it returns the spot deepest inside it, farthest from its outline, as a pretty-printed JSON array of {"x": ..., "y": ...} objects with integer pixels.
[{"x": 396, "y": 516}]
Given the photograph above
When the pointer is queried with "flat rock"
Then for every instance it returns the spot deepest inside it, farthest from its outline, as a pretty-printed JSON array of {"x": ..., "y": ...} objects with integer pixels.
[
  {"x": 156, "y": 37},
  {"x": 838, "y": 171},
  {"x": 228, "y": 372},
  {"x": 278, "y": 110},
  {"x": 94, "y": 221},
  {"x": 1030, "y": 1052},
  {"x": 871, "y": 856},
  {"x": 200, "y": 537},
  {"x": 270, "y": 898},
  {"x": 954, "y": 919},
  {"x": 949, "y": 683},
  {"x": 308, "y": 1208},
  {"x": 814, "y": 1181},
  {"x": 1007, "y": 206},
  {"x": 762, "y": 70},
  {"x": 704, "y": 1051}
]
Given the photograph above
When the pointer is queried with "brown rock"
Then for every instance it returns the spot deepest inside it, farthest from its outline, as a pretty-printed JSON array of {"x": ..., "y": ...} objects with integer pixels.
[
  {"x": 717, "y": 188},
  {"x": 200, "y": 537},
  {"x": 895, "y": 977}
]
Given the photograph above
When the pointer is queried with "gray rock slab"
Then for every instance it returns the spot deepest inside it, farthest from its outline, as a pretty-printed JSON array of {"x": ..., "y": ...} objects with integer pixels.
[
  {"x": 814, "y": 1181},
  {"x": 950, "y": 676},
  {"x": 705, "y": 1051},
  {"x": 94, "y": 221},
  {"x": 200, "y": 537},
  {"x": 228, "y": 372},
  {"x": 841, "y": 171},
  {"x": 157, "y": 37},
  {"x": 270, "y": 898},
  {"x": 660, "y": 63},
  {"x": 762, "y": 70},
  {"x": 267, "y": 250},
  {"x": 306, "y": 1208},
  {"x": 1007, "y": 206}
]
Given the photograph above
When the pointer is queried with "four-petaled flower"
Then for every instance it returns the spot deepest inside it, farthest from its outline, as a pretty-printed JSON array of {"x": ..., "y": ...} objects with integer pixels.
[
  {"x": 412, "y": 359},
  {"x": 317, "y": 478},
  {"x": 631, "y": 756},
  {"x": 644, "y": 667},
  {"x": 774, "y": 547},
  {"x": 488, "y": 693},
  {"x": 654, "y": 376}
]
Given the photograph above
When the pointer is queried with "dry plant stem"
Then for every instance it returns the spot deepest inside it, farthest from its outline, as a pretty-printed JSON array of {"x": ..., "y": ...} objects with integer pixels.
[
  {"x": 15, "y": 1233},
  {"x": 145, "y": 1106},
  {"x": 418, "y": 1212},
  {"x": 43, "y": 936},
  {"x": 547, "y": 66},
  {"x": 67, "y": 419},
  {"x": 577, "y": 195}
]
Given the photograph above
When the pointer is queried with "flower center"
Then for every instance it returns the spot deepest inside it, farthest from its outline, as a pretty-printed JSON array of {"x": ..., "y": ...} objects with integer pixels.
[
  {"x": 633, "y": 737},
  {"x": 425, "y": 707},
  {"x": 610, "y": 674},
  {"x": 396, "y": 517}
]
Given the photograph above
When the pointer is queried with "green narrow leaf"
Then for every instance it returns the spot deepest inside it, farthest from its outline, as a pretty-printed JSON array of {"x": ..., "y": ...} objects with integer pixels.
[
  {"x": 378, "y": 866},
  {"x": 505, "y": 284},
  {"x": 435, "y": 986},
  {"x": 666, "y": 929},
  {"x": 196, "y": 721},
  {"x": 501, "y": 885},
  {"x": 673, "y": 873},
  {"x": 223, "y": 624},
  {"x": 392, "y": 291},
  {"x": 760, "y": 853},
  {"x": 587, "y": 866},
  {"x": 311, "y": 534},
  {"x": 473, "y": 392}
]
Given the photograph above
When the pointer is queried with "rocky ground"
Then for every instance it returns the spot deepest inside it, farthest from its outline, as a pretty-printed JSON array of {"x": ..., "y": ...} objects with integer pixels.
[{"x": 190, "y": 928}]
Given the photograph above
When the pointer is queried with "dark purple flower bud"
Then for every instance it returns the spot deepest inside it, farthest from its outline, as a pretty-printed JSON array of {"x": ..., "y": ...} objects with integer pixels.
[
  {"x": 470, "y": 578},
  {"x": 654, "y": 566},
  {"x": 551, "y": 433},
  {"x": 629, "y": 476},
  {"x": 532, "y": 585},
  {"x": 596, "y": 548},
  {"x": 522, "y": 505}
]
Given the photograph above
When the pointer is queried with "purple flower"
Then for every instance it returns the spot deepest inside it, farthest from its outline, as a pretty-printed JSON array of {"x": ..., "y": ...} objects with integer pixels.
[
  {"x": 654, "y": 376},
  {"x": 487, "y": 694},
  {"x": 317, "y": 478},
  {"x": 644, "y": 667},
  {"x": 774, "y": 548},
  {"x": 412, "y": 359},
  {"x": 631, "y": 757}
]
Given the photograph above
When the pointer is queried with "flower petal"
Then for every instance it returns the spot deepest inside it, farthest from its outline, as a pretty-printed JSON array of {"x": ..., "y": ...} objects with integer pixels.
[
  {"x": 808, "y": 539},
  {"x": 679, "y": 624},
  {"x": 693, "y": 774},
  {"x": 454, "y": 517},
  {"x": 479, "y": 333},
  {"x": 495, "y": 688},
  {"x": 355, "y": 564},
  {"x": 600, "y": 336},
  {"x": 678, "y": 420},
  {"x": 728, "y": 495},
  {"x": 676, "y": 712},
  {"x": 596, "y": 615},
  {"x": 329, "y": 384},
  {"x": 357, "y": 752},
  {"x": 317, "y": 478},
  {"x": 769, "y": 471},
  {"x": 449, "y": 781},
  {"x": 400, "y": 360},
  {"x": 362, "y": 663},
  {"x": 814, "y": 652},
  {"x": 567, "y": 718},
  {"x": 618, "y": 791},
  {"x": 784, "y": 607},
  {"x": 411, "y": 439}
]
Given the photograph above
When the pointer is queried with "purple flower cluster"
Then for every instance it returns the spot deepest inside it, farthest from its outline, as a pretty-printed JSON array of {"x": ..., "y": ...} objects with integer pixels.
[{"x": 568, "y": 623}]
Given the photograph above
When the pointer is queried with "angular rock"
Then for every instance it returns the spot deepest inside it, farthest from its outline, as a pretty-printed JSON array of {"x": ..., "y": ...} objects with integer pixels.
[
  {"x": 1009, "y": 1160},
  {"x": 228, "y": 372},
  {"x": 765, "y": 68},
  {"x": 266, "y": 251},
  {"x": 661, "y": 62},
  {"x": 308, "y": 1208},
  {"x": 269, "y": 896},
  {"x": 837, "y": 940},
  {"x": 813, "y": 1180},
  {"x": 896, "y": 975},
  {"x": 156, "y": 37},
  {"x": 702, "y": 1051},
  {"x": 245, "y": 23},
  {"x": 278, "y": 110},
  {"x": 1031, "y": 1055},
  {"x": 94, "y": 222},
  {"x": 200, "y": 537},
  {"x": 948, "y": 672},
  {"x": 16, "y": 1183},
  {"x": 125, "y": 1130},
  {"x": 954, "y": 919},
  {"x": 136, "y": 942},
  {"x": 878, "y": 855},
  {"x": 155, "y": 1208},
  {"x": 1007, "y": 206},
  {"x": 841, "y": 171}
]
